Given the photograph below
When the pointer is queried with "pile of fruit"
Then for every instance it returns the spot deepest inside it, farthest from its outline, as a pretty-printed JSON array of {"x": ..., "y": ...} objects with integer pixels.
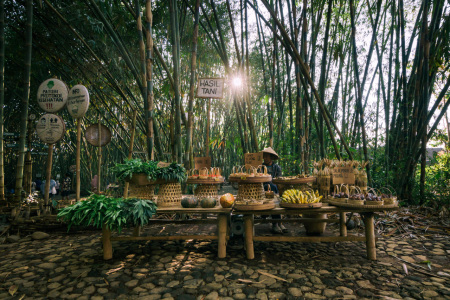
[
  {"x": 339, "y": 195},
  {"x": 357, "y": 197},
  {"x": 372, "y": 197},
  {"x": 300, "y": 197}
]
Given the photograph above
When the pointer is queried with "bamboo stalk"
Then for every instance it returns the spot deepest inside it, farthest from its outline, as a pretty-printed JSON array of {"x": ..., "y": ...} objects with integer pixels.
[
  {"x": 99, "y": 155},
  {"x": 130, "y": 150},
  {"x": 78, "y": 161},
  {"x": 2, "y": 98}
]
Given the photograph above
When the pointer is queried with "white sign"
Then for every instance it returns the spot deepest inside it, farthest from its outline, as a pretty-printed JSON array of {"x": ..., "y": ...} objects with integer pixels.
[
  {"x": 210, "y": 88},
  {"x": 50, "y": 128},
  {"x": 52, "y": 95},
  {"x": 78, "y": 101}
]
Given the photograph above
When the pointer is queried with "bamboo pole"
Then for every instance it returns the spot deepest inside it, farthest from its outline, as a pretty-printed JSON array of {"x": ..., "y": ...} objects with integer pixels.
[
  {"x": 208, "y": 124},
  {"x": 99, "y": 155},
  {"x": 130, "y": 150},
  {"x": 2, "y": 97},
  {"x": 48, "y": 176},
  {"x": 78, "y": 161}
]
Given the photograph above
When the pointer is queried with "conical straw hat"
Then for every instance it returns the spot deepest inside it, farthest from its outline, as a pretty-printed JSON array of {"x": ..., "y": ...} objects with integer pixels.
[{"x": 271, "y": 151}]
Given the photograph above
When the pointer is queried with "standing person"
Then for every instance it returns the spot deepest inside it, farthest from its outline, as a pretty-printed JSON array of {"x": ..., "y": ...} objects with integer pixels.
[
  {"x": 269, "y": 156},
  {"x": 94, "y": 184},
  {"x": 57, "y": 186},
  {"x": 38, "y": 184},
  {"x": 66, "y": 186},
  {"x": 53, "y": 193}
]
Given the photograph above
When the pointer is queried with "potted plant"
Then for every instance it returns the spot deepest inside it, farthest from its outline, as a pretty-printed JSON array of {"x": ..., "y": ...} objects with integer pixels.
[
  {"x": 142, "y": 172},
  {"x": 114, "y": 213}
]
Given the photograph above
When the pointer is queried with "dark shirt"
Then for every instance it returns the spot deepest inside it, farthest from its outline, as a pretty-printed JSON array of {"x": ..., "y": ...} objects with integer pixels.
[
  {"x": 274, "y": 170},
  {"x": 67, "y": 184}
]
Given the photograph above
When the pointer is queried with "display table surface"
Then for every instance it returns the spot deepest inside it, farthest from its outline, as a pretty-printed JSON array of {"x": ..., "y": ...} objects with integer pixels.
[
  {"x": 366, "y": 213},
  {"x": 205, "y": 181},
  {"x": 221, "y": 215},
  {"x": 220, "y": 218}
]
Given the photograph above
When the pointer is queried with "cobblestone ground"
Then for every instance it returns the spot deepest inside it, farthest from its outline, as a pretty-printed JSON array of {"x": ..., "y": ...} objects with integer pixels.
[{"x": 70, "y": 266}]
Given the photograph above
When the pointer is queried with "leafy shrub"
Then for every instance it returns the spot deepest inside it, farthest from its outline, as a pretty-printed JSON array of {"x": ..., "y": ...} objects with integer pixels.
[
  {"x": 172, "y": 172},
  {"x": 115, "y": 213},
  {"x": 437, "y": 181},
  {"x": 131, "y": 166}
]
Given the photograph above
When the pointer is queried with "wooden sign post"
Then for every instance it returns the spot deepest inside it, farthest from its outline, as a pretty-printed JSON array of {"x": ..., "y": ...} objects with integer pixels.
[
  {"x": 253, "y": 159},
  {"x": 210, "y": 88},
  {"x": 202, "y": 162},
  {"x": 343, "y": 175},
  {"x": 98, "y": 135},
  {"x": 50, "y": 129},
  {"x": 77, "y": 105}
]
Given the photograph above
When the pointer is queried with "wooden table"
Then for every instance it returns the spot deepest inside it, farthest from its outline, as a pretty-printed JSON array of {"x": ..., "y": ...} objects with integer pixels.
[
  {"x": 366, "y": 213},
  {"x": 220, "y": 219}
]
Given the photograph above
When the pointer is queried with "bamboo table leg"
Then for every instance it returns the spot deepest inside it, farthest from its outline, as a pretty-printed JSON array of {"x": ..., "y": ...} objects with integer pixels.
[
  {"x": 343, "y": 223},
  {"x": 107, "y": 246},
  {"x": 222, "y": 224},
  {"x": 370, "y": 236},
  {"x": 248, "y": 227},
  {"x": 137, "y": 231}
]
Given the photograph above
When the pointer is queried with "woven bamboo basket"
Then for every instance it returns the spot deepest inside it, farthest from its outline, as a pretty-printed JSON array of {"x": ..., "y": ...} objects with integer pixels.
[
  {"x": 251, "y": 191},
  {"x": 169, "y": 194},
  {"x": 146, "y": 192},
  {"x": 206, "y": 190}
]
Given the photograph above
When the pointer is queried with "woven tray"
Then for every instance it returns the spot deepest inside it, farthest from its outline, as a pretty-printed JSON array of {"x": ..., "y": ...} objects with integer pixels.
[
  {"x": 340, "y": 204},
  {"x": 265, "y": 206},
  {"x": 300, "y": 205},
  {"x": 205, "y": 181},
  {"x": 256, "y": 179},
  {"x": 294, "y": 181}
]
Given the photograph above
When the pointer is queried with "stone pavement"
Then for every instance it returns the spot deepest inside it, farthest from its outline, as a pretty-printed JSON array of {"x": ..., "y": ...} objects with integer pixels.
[{"x": 70, "y": 266}]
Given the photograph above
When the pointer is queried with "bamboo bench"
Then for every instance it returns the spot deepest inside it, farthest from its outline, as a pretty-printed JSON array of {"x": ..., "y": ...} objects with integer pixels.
[
  {"x": 220, "y": 215},
  {"x": 367, "y": 215}
]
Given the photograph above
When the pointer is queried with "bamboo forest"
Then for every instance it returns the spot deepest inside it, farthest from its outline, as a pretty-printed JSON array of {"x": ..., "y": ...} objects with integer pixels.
[
  {"x": 313, "y": 79},
  {"x": 224, "y": 149}
]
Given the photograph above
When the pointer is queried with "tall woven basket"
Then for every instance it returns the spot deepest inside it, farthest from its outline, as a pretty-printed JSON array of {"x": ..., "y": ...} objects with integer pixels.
[
  {"x": 169, "y": 194},
  {"x": 146, "y": 192},
  {"x": 206, "y": 190},
  {"x": 251, "y": 191}
]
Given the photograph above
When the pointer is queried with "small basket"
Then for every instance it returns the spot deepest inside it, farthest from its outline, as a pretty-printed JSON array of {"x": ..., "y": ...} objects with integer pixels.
[
  {"x": 193, "y": 174},
  {"x": 339, "y": 189},
  {"x": 390, "y": 200},
  {"x": 250, "y": 171},
  {"x": 355, "y": 190},
  {"x": 269, "y": 193},
  {"x": 374, "y": 202},
  {"x": 203, "y": 173},
  {"x": 261, "y": 171}
]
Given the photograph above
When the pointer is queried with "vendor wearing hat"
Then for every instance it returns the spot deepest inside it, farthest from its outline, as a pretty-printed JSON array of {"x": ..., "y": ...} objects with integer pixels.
[{"x": 270, "y": 156}]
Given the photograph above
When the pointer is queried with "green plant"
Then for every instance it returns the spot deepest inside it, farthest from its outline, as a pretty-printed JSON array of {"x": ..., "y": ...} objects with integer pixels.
[
  {"x": 132, "y": 166},
  {"x": 172, "y": 172},
  {"x": 115, "y": 213}
]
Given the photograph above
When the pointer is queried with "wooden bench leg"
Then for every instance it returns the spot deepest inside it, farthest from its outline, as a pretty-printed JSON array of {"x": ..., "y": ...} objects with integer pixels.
[
  {"x": 342, "y": 223},
  {"x": 248, "y": 227},
  {"x": 107, "y": 246},
  {"x": 370, "y": 236},
  {"x": 137, "y": 231},
  {"x": 222, "y": 224}
]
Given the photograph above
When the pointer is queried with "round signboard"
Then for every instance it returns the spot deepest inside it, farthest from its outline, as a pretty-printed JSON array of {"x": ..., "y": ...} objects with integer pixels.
[
  {"x": 50, "y": 128},
  {"x": 92, "y": 135},
  {"x": 52, "y": 95},
  {"x": 78, "y": 101}
]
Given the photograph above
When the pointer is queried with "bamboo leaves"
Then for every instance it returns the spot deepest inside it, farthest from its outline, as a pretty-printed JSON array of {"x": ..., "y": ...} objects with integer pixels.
[{"x": 115, "y": 213}]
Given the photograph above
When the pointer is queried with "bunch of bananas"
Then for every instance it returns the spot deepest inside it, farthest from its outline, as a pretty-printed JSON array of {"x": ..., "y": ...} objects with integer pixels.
[{"x": 297, "y": 196}]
